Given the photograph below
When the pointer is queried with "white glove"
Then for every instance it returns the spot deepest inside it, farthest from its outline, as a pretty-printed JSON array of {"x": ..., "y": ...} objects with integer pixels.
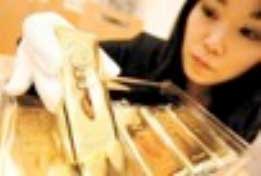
[{"x": 39, "y": 59}]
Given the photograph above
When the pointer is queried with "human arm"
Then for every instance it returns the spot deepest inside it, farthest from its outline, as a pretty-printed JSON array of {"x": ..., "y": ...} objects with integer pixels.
[
  {"x": 138, "y": 57},
  {"x": 38, "y": 59}
]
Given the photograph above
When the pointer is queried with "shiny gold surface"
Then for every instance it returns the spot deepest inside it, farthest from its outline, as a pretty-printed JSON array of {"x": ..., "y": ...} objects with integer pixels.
[
  {"x": 154, "y": 151},
  {"x": 181, "y": 136},
  {"x": 35, "y": 147},
  {"x": 198, "y": 147},
  {"x": 203, "y": 132},
  {"x": 33, "y": 143}
]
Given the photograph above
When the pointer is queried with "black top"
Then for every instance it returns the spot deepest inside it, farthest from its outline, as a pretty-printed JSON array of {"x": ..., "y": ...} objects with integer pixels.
[{"x": 141, "y": 58}]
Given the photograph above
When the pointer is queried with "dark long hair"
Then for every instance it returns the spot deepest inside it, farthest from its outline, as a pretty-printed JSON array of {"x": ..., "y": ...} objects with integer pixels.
[{"x": 226, "y": 97}]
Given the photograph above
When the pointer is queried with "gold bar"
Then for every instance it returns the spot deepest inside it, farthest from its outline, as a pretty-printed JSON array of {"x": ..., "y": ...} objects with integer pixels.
[
  {"x": 181, "y": 137},
  {"x": 154, "y": 152},
  {"x": 34, "y": 145},
  {"x": 203, "y": 132},
  {"x": 149, "y": 150}
]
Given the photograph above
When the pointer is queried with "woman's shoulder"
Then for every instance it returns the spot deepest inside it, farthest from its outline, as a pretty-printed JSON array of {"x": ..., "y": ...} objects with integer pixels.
[
  {"x": 246, "y": 119},
  {"x": 257, "y": 97}
]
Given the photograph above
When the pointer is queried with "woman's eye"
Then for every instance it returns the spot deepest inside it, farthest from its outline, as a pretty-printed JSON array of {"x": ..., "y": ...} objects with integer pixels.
[
  {"x": 209, "y": 12},
  {"x": 250, "y": 34}
]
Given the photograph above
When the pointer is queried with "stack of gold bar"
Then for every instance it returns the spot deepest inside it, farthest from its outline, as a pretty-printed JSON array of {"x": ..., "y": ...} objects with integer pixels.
[
  {"x": 157, "y": 141},
  {"x": 90, "y": 135},
  {"x": 180, "y": 139}
]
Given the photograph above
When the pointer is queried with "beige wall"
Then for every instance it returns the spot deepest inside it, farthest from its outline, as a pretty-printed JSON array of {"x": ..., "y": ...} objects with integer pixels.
[
  {"x": 87, "y": 16},
  {"x": 159, "y": 15}
]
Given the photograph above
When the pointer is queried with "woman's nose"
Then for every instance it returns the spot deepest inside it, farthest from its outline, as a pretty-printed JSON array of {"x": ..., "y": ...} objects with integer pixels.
[{"x": 215, "y": 42}]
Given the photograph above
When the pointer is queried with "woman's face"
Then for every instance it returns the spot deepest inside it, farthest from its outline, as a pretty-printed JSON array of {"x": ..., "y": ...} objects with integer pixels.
[{"x": 222, "y": 40}]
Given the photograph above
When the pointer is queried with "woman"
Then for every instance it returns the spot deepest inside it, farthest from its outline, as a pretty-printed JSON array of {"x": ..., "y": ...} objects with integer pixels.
[{"x": 213, "y": 54}]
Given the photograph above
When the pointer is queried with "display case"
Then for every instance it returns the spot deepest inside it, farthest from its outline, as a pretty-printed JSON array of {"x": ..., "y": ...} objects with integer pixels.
[
  {"x": 174, "y": 138},
  {"x": 144, "y": 127},
  {"x": 178, "y": 137}
]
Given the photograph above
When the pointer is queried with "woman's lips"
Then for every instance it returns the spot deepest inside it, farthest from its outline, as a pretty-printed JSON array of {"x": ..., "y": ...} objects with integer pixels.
[{"x": 202, "y": 61}]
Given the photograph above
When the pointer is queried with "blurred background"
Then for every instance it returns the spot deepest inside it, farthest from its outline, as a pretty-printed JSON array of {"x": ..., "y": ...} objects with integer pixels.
[{"x": 110, "y": 19}]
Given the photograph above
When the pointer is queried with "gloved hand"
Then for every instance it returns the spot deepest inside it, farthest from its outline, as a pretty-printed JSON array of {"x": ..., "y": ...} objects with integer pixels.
[{"x": 39, "y": 57}]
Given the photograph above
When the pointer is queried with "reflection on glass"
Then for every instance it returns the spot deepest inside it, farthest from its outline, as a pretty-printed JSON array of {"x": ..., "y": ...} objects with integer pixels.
[{"x": 30, "y": 142}]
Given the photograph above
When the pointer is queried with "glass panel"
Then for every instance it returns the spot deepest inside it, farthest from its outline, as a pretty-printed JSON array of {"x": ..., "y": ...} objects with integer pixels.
[{"x": 30, "y": 141}]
